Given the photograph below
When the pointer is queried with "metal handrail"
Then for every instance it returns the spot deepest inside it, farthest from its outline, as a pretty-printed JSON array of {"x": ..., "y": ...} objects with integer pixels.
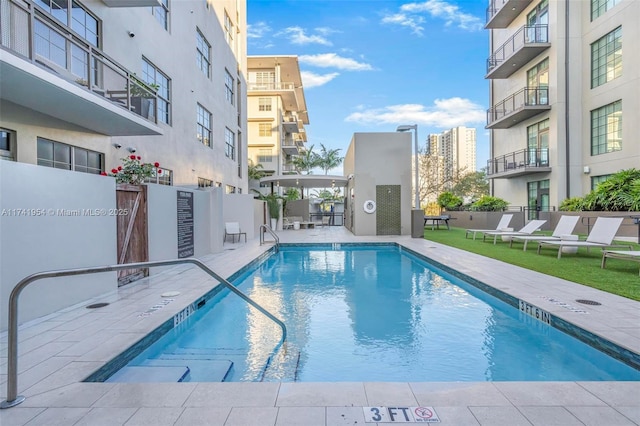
[
  {"x": 273, "y": 234},
  {"x": 13, "y": 398}
]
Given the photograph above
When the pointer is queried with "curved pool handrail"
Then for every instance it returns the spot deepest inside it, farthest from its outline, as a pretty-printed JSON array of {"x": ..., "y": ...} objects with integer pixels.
[
  {"x": 13, "y": 398},
  {"x": 262, "y": 230}
]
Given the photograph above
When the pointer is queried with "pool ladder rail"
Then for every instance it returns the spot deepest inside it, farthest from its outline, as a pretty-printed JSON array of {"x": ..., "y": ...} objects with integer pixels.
[
  {"x": 266, "y": 228},
  {"x": 14, "y": 399}
]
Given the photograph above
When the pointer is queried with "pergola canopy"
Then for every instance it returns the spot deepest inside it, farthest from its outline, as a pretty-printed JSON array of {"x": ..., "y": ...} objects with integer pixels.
[{"x": 306, "y": 181}]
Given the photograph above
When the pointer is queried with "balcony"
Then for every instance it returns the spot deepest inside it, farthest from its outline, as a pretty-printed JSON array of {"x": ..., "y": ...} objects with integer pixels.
[
  {"x": 131, "y": 3},
  {"x": 518, "y": 107},
  {"x": 527, "y": 43},
  {"x": 65, "y": 77},
  {"x": 289, "y": 169},
  {"x": 290, "y": 124},
  {"x": 501, "y": 13},
  {"x": 286, "y": 90},
  {"x": 290, "y": 147},
  {"x": 523, "y": 162}
]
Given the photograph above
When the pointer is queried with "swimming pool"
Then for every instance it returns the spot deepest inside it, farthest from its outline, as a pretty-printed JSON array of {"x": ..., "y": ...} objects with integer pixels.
[{"x": 369, "y": 313}]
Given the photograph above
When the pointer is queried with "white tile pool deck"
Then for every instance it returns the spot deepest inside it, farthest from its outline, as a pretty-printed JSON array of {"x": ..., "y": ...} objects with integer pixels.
[{"x": 59, "y": 351}]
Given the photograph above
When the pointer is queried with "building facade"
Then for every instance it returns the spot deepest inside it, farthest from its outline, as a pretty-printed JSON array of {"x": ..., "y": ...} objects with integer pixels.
[
  {"x": 87, "y": 83},
  {"x": 277, "y": 113},
  {"x": 560, "y": 85}
]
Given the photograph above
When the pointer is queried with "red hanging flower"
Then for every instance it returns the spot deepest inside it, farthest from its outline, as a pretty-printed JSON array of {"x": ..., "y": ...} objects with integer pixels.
[
  {"x": 119, "y": 167},
  {"x": 159, "y": 171},
  {"x": 133, "y": 157},
  {"x": 114, "y": 170},
  {"x": 103, "y": 174},
  {"x": 139, "y": 158},
  {"x": 156, "y": 164}
]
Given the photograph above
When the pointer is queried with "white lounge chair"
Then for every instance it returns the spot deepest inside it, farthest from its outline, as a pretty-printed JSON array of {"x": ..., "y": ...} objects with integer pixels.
[
  {"x": 601, "y": 235},
  {"x": 528, "y": 229},
  {"x": 232, "y": 229},
  {"x": 616, "y": 254},
  {"x": 504, "y": 222},
  {"x": 565, "y": 226}
]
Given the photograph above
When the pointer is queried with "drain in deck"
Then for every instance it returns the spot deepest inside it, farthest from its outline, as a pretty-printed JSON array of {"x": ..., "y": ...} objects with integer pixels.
[
  {"x": 588, "y": 302},
  {"x": 97, "y": 305}
]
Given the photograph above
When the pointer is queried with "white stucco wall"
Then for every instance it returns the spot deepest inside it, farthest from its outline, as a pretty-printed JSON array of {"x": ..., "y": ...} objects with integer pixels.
[
  {"x": 240, "y": 208},
  {"x": 60, "y": 235}
]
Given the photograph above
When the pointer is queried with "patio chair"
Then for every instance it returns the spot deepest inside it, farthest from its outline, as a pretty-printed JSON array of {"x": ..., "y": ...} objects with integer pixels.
[
  {"x": 601, "y": 235},
  {"x": 565, "y": 226},
  {"x": 504, "y": 222},
  {"x": 528, "y": 229},
  {"x": 232, "y": 229},
  {"x": 624, "y": 255},
  {"x": 287, "y": 223}
]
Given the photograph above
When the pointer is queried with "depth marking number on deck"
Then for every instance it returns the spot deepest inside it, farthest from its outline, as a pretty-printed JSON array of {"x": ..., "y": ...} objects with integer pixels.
[{"x": 400, "y": 415}]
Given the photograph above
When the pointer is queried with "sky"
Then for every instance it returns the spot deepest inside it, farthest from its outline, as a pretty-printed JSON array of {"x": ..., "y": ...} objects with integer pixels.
[{"x": 372, "y": 65}]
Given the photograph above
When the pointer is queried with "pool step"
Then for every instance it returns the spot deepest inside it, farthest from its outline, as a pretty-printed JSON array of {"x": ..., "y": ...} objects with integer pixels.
[
  {"x": 209, "y": 351},
  {"x": 150, "y": 374},
  {"x": 200, "y": 369}
]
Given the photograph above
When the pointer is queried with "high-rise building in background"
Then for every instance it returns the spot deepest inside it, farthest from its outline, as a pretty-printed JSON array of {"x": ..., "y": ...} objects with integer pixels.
[{"x": 559, "y": 86}]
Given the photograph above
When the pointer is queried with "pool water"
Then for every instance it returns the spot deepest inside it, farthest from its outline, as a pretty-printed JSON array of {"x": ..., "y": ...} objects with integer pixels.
[{"x": 363, "y": 313}]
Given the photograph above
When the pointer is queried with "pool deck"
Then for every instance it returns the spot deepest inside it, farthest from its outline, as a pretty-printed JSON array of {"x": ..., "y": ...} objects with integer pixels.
[{"x": 58, "y": 351}]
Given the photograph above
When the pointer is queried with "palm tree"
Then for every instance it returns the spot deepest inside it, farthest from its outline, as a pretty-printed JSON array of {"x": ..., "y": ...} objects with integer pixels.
[
  {"x": 306, "y": 161},
  {"x": 254, "y": 170},
  {"x": 329, "y": 158}
]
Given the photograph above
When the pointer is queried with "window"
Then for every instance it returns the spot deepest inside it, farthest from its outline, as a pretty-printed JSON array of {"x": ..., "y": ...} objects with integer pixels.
[
  {"x": 63, "y": 156},
  {"x": 599, "y": 7},
  {"x": 162, "y": 13},
  {"x": 230, "y": 144},
  {"x": 228, "y": 189},
  {"x": 538, "y": 144},
  {"x": 228, "y": 29},
  {"x": 606, "y": 58},
  {"x": 264, "y": 104},
  {"x": 7, "y": 144},
  {"x": 79, "y": 20},
  {"x": 606, "y": 129},
  {"x": 203, "y": 130},
  {"x": 204, "y": 183},
  {"x": 203, "y": 49},
  {"x": 538, "y": 84},
  {"x": 153, "y": 76},
  {"x": 228, "y": 87},
  {"x": 266, "y": 79},
  {"x": 264, "y": 155},
  {"x": 264, "y": 129},
  {"x": 161, "y": 177},
  {"x": 538, "y": 196},
  {"x": 537, "y": 20},
  {"x": 596, "y": 180}
]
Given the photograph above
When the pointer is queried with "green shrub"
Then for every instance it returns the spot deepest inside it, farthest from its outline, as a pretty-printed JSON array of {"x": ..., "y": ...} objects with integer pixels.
[
  {"x": 573, "y": 204},
  {"x": 487, "y": 203},
  {"x": 620, "y": 192},
  {"x": 448, "y": 201}
]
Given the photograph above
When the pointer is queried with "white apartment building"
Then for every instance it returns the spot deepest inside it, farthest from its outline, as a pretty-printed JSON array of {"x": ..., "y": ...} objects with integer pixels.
[
  {"x": 560, "y": 85},
  {"x": 277, "y": 113},
  {"x": 456, "y": 150},
  {"x": 88, "y": 82}
]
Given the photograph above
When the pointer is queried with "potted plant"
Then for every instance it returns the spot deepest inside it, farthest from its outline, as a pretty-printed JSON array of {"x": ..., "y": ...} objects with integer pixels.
[
  {"x": 133, "y": 171},
  {"x": 273, "y": 205}
]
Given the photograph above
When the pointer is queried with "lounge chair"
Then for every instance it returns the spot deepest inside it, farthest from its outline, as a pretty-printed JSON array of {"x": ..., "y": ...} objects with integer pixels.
[
  {"x": 625, "y": 255},
  {"x": 504, "y": 222},
  {"x": 528, "y": 229},
  {"x": 565, "y": 226},
  {"x": 601, "y": 235},
  {"x": 287, "y": 223},
  {"x": 232, "y": 229}
]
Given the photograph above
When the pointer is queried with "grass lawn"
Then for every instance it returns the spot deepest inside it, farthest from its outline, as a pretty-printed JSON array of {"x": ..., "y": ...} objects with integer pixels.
[{"x": 620, "y": 276}]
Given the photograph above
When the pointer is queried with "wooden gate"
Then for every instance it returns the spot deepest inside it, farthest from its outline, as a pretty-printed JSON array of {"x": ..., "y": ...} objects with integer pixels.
[{"x": 131, "y": 201}]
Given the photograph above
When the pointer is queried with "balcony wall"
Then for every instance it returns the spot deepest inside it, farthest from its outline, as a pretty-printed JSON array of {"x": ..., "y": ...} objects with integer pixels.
[
  {"x": 501, "y": 13},
  {"x": 98, "y": 94},
  {"x": 527, "y": 43},
  {"x": 520, "y": 106}
]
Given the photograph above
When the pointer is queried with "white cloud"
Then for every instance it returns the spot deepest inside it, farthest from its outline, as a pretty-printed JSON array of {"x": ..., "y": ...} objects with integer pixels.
[
  {"x": 258, "y": 30},
  {"x": 445, "y": 114},
  {"x": 297, "y": 36},
  {"x": 310, "y": 79},
  {"x": 450, "y": 13},
  {"x": 332, "y": 60}
]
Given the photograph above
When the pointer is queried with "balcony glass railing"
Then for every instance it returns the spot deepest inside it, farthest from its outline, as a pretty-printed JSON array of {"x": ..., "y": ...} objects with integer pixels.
[
  {"x": 59, "y": 50},
  {"x": 525, "y": 35},
  {"x": 518, "y": 160},
  {"x": 270, "y": 86},
  {"x": 529, "y": 96}
]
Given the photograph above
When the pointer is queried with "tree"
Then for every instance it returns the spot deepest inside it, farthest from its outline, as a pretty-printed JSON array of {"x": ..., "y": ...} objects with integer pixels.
[
  {"x": 254, "y": 171},
  {"x": 472, "y": 186},
  {"x": 329, "y": 158},
  {"x": 306, "y": 161},
  {"x": 434, "y": 179}
]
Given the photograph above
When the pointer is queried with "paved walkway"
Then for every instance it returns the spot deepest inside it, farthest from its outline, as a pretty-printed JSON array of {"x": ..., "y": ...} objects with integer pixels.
[{"x": 58, "y": 351}]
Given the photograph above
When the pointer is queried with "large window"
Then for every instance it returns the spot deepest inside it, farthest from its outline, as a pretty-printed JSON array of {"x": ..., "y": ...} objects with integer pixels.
[
  {"x": 162, "y": 176},
  {"x": 228, "y": 87},
  {"x": 156, "y": 78},
  {"x": 606, "y": 129},
  {"x": 599, "y": 7},
  {"x": 7, "y": 144},
  {"x": 536, "y": 19},
  {"x": 538, "y": 195},
  {"x": 203, "y": 130},
  {"x": 538, "y": 84},
  {"x": 62, "y": 156},
  {"x": 606, "y": 58},
  {"x": 230, "y": 144},
  {"x": 228, "y": 29},
  {"x": 162, "y": 13},
  {"x": 538, "y": 143},
  {"x": 265, "y": 79},
  {"x": 75, "y": 16},
  {"x": 264, "y": 155},
  {"x": 264, "y": 129},
  {"x": 596, "y": 180},
  {"x": 203, "y": 52},
  {"x": 264, "y": 104}
]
